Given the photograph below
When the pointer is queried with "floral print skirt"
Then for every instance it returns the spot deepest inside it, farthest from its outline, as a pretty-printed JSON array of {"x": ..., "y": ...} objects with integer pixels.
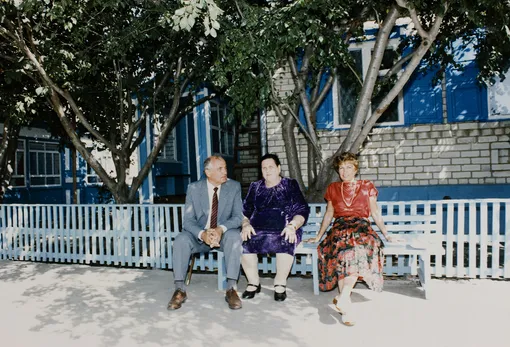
[{"x": 351, "y": 247}]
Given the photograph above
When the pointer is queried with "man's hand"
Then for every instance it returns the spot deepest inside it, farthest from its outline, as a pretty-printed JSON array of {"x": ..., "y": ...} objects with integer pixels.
[{"x": 212, "y": 236}]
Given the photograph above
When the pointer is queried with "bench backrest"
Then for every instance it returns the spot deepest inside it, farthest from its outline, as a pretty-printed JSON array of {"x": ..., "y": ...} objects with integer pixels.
[{"x": 395, "y": 224}]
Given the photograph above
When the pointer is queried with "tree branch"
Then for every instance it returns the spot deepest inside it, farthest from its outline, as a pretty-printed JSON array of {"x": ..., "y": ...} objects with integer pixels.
[
  {"x": 371, "y": 77},
  {"x": 399, "y": 85},
  {"x": 307, "y": 110},
  {"x": 398, "y": 66},
  {"x": 324, "y": 91}
]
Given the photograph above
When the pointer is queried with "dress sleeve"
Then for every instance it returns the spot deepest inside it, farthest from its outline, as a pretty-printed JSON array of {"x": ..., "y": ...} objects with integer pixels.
[
  {"x": 329, "y": 192},
  {"x": 299, "y": 204},
  {"x": 249, "y": 200},
  {"x": 372, "y": 190}
]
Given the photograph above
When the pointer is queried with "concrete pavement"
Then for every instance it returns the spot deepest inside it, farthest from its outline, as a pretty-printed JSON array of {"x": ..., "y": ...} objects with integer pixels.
[{"x": 78, "y": 305}]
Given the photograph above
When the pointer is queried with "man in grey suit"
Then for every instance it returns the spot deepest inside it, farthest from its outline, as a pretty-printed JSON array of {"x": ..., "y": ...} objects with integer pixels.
[{"x": 212, "y": 218}]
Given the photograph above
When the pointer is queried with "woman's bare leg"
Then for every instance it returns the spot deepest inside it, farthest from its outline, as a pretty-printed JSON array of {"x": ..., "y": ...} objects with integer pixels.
[
  {"x": 344, "y": 300},
  {"x": 250, "y": 263},
  {"x": 284, "y": 263}
]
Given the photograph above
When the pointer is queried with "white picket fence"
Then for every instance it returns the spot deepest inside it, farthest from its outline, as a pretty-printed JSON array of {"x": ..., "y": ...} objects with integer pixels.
[{"x": 475, "y": 235}]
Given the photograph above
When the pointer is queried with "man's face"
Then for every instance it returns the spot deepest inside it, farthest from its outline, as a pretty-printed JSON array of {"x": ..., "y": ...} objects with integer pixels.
[{"x": 217, "y": 172}]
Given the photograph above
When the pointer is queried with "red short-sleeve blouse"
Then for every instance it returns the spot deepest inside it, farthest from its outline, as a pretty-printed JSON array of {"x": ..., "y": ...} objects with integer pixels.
[{"x": 351, "y": 200}]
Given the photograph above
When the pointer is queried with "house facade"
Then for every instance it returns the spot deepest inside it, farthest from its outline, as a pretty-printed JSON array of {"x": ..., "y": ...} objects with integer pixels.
[
  {"x": 43, "y": 168},
  {"x": 449, "y": 139},
  {"x": 445, "y": 139}
]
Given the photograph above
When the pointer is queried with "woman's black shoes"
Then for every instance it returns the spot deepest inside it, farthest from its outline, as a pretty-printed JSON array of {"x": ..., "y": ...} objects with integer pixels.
[
  {"x": 251, "y": 294},
  {"x": 280, "y": 296}
]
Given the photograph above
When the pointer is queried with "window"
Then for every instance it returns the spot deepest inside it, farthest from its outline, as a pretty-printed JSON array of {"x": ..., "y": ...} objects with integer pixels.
[
  {"x": 348, "y": 87},
  {"x": 91, "y": 177},
  {"x": 44, "y": 164},
  {"x": 222, "y": 134},
  {"x": 18, "y": 167},
  {"x": 169, "y": 150},
  {"x": 499, "y": 102}
]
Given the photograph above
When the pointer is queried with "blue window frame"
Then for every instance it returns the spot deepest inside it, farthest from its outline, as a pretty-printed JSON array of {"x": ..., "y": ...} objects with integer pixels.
[{"x": 45, "y": 164}]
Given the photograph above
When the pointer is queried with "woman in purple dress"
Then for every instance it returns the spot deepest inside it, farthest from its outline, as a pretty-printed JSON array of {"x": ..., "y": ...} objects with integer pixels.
[{"x": 274, "y": 210}]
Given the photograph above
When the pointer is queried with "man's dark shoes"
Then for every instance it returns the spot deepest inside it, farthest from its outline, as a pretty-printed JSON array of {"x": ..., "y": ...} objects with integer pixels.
[
  {"x": 251, "y": 294},
  {"x": 177, "y": 300},
  {"x": 231, "y": 297},
  {"x": 280, "y": 296}
]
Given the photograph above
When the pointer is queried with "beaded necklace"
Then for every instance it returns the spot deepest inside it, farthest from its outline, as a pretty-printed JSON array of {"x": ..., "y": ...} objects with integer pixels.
[{"x": 356, "y": 191}]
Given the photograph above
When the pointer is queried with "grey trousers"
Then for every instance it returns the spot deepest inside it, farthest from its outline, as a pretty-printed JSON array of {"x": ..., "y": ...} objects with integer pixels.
[{"x": 186, "y": 244}]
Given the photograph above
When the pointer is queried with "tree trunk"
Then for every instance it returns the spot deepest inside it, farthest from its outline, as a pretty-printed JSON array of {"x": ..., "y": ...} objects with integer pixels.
[
  {"x": 291, "y": 150},
  {"x": 325, "y": 176},
  {"x": 7, "y": 154}
]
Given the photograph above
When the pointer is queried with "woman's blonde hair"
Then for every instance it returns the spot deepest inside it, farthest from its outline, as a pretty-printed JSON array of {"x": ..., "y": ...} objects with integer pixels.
[{"x": 345, "y": 157}]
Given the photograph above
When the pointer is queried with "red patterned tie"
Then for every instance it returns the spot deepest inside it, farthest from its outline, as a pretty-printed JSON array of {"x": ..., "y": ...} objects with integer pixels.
[{"x": 214, "y": 209}]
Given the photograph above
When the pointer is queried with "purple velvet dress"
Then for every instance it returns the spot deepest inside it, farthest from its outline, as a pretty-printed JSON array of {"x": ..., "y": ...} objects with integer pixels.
[{"x": 269, "y": 211}]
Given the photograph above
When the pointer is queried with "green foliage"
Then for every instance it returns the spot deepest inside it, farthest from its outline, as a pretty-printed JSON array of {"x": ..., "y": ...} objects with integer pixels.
[
  {"x": 259, "y": 37},
  {"x": 101, "y": 55}
]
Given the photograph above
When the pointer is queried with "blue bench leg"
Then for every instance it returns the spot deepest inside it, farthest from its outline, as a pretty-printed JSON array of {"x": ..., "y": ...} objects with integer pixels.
[{"x": 315, "y": 273}]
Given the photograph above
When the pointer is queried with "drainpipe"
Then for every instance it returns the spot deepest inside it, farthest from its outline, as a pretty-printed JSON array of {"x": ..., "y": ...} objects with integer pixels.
[{"x": 263, "y": 132}]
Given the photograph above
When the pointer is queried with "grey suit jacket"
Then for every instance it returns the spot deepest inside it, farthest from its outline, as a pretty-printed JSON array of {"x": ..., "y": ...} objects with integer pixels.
[{"x": 196, "y": 209}]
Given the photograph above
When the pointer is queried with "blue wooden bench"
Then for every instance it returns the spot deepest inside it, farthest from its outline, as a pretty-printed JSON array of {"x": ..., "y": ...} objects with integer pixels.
[
  {"x": 420, "y": 236},
  {"x": 420, "y": 233}
]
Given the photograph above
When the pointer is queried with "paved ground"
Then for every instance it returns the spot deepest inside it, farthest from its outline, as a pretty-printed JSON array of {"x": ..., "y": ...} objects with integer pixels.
[{"x": 76, "y": 305}]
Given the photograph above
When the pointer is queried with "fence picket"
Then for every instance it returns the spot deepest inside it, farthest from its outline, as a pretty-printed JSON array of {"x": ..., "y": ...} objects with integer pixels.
[
  {"x": 108, "y": 234},
  {"x": 157, "y": 237},
  {"x": 151, "y": 235},
  {"x": 93, "y": 234},
  {"x": 37, "y": 232},
  {"x": 25, "y": 234},
  {"x": 44, "y": 243},
  {"x": 3, "y": 227},
  {"x": 472, "y": 240},
  {"x": 74, "y": 227},
  {"x": 450, "y": 211},
  {"x": 144, "y": 237},
  {"x": 137, "y": 233},
  {"x": 401, "y": 261},
  {"x": 483, "y": 240},
  {"x": 32, "y": 229},
  {"x": 168, "y": 237},
  {"x": 461, "y": 238},
  {"x": 496, "y": 245},
  {"x": 10, "y": 236},
  {"x": 506, "y": 271}
]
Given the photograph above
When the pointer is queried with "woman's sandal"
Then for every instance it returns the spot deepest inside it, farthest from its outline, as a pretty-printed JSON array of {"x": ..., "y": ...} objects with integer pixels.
[
  {"x": 339, "y": 309},
  {"x": 347, "y": 320},
  {"x": 345, "y": 316}
]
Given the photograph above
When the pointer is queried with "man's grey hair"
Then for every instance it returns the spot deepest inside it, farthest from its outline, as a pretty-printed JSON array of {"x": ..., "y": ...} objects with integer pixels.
[{"x": 207, "y": 162}]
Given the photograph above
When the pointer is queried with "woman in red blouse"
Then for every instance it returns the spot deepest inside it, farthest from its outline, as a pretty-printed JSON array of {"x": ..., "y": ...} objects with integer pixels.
[{"x": 352, "y": 249}]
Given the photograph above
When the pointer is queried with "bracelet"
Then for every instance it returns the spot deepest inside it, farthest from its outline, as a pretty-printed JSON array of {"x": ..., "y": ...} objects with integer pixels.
[{"x": 292, "y": 225}]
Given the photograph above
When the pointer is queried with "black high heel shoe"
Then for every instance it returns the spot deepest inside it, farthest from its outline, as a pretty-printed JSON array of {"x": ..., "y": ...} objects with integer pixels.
[
  {"x": 251, "y": 294},
  {"x": 280, "y": 296}
]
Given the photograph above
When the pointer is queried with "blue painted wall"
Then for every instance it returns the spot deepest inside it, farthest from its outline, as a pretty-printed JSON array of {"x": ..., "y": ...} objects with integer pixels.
[{"x": 439, "y": 192}]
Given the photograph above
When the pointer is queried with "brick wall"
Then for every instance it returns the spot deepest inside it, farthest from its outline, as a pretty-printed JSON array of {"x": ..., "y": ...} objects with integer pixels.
[
  {"x": 458, "y": 153},
  {"x": 449, "y": 154}
]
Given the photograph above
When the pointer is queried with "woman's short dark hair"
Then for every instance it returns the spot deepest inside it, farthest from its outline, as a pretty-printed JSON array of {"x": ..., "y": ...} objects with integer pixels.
[
  {"x": 345, "y": 157},
  {"x": 270, "y": 156}
]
